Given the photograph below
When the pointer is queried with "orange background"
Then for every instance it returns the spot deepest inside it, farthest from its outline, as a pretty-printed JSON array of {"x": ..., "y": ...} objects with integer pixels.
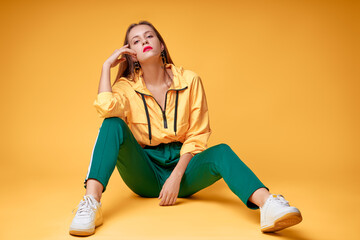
[{"x": 282, "y": 82}]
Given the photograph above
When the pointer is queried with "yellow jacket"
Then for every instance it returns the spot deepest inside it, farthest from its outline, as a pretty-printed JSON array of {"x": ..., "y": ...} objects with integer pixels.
[{"x": 185, "y": 117}]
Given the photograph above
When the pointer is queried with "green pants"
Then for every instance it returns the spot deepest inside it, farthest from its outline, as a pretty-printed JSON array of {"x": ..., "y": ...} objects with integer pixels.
[{"x": 145, "y": 170}]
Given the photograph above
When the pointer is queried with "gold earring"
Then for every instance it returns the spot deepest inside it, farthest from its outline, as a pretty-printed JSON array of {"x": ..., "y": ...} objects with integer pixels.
[
  {"x": 163, "y": 57},
  {"x": 136, "y": 66}
]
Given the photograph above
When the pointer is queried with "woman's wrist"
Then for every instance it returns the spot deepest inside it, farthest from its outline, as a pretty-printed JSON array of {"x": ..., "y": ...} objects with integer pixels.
[
  {"x": 106, "y": 65},
  {"x": 177, "y": 174}
]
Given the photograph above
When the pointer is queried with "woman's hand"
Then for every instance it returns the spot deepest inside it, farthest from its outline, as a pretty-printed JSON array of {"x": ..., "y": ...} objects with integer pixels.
[
  {"x": 113, "y": 60},
  {"x": 170, "y": 191}
]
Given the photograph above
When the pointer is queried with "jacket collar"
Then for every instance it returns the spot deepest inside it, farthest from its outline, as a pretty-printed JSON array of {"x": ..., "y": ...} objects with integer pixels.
[{"x": 178, "y": 80}]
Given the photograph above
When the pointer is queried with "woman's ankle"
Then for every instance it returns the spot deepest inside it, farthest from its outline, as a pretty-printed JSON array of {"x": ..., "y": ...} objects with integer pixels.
[
  {"x": 95, "y": 188},
  {"x": 260, "y": 196},
  {"x": 96, "y": 196}
]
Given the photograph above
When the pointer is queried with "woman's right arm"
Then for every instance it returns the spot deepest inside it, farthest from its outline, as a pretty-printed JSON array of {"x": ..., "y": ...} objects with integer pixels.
[
  {"x": 109, "y": 103},
  {"x": 112, "y": 61},
  {"x": 105, "y": 83}
]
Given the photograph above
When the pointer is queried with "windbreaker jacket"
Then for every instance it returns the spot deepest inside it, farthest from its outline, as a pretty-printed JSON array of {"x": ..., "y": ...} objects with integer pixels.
[{"x": 185, "y": 116}]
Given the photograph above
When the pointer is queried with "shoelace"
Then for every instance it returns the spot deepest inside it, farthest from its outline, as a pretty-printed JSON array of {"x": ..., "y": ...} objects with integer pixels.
[
  {"x": 280, "y": 199},
  {"x": 85, "y": 206}
]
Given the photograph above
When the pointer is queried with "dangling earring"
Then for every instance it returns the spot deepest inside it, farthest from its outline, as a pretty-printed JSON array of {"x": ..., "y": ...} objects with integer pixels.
[
  {"x": 136, "y": 67},
  {"x": 163, "y": 56}
]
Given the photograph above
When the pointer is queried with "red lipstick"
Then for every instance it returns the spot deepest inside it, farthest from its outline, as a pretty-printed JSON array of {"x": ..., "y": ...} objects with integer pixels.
[{"x": 147, "y": 48}]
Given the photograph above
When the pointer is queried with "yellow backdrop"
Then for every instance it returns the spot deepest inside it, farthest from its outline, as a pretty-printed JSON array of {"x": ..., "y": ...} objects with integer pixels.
[{"x": 282, "y": 82}]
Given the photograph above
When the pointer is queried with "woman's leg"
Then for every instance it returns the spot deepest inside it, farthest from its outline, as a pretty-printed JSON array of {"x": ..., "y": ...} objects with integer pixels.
[
  {"x": 260, "y": 196},
  {"x": 95, "y": 188},
  {"x": 116, "y": 146},
  {"x": 217, "y": 162}
]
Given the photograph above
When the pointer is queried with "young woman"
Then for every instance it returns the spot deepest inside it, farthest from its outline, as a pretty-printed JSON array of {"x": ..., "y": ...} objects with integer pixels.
[{"x": 155, "y": 131}]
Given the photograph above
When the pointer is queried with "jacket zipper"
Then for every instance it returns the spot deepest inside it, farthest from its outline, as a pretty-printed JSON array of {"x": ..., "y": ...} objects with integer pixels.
[{"x": 163, "y": 111}]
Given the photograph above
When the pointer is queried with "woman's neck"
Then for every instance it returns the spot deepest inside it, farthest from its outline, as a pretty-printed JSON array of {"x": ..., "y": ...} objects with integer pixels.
[{"x": 154, "y": 74}]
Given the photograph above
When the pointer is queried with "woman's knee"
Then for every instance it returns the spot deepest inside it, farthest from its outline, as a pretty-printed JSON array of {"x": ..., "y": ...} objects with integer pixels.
[
  {"x": 223, "y": 152},
  {"x": 114, "y": 121},
  {"x": 223, "y": 147}
]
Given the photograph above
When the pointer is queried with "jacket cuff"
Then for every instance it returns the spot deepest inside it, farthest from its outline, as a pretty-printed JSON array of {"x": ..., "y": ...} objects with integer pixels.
[{"x": 189, "y": 148}]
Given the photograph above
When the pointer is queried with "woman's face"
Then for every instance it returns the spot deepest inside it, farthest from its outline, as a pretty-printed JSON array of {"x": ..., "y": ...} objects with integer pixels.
[{"x": 142, "y": 36}]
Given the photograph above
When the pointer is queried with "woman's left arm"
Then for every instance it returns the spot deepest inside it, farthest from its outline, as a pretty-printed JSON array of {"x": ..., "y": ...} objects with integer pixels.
[
  {"x": 171, "y": 187},
  {"x": 181, "y": 166},
  {"x": 199, "y": 131}
]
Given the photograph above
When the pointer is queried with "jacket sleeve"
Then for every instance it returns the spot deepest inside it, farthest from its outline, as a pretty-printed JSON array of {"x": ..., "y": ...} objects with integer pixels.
[
  {"x": 199, "y": 130},
  {"x": 112, "y": 104}
]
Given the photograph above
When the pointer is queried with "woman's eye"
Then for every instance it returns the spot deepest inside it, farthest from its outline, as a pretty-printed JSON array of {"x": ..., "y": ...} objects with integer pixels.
[{"x": 138, "y": 40}]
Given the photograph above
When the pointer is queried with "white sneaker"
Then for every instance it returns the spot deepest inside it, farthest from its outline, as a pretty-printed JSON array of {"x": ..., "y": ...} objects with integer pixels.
[
  {"x": 276, "y": 214},
  {"x": 87, "y": 218}
]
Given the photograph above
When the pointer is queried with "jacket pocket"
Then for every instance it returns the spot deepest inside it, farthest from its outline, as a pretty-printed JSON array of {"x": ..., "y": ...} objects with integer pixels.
[{"x": 139, "y": 128}]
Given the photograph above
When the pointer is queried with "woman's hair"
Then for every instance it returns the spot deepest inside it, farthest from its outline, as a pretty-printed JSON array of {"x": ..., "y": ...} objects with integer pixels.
[{"x": 126, "y": 68}]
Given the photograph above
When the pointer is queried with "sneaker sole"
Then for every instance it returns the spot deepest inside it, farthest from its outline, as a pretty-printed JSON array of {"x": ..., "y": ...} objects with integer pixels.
[
  {"x": 83, "y": 232},
  {"x": 285, "y": 221}
]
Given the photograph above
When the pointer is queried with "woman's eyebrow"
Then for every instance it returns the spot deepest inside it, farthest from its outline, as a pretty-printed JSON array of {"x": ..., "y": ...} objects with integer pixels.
[{"x": 138, "y": 35}]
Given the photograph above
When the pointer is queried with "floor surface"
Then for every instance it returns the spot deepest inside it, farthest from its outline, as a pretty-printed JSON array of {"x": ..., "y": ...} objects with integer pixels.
[{"x": 40, "y": 207}]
